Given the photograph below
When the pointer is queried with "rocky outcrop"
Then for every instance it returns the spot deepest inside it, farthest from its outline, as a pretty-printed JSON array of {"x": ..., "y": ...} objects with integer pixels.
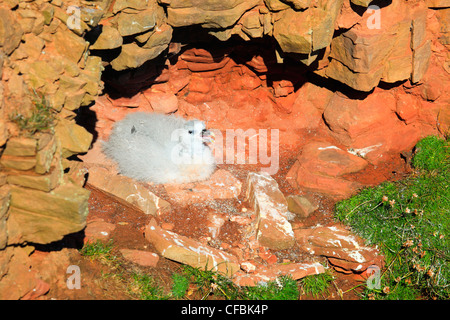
[
  {"x": 47, "y": 74},
  {"x": 387, "y": 44},
  {"x": 352, "y": 44},
  {"x": 306, "y": 32},
  {"x": 144, "y": 27},
  {"x": 211, "y": 14},
  {"x": 247, "y": 262}
]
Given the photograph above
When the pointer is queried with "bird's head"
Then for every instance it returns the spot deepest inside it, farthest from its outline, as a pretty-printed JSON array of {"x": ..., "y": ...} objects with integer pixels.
[
  {"x": 193, "y": 140},
  {"x": 196, "y": 132}
]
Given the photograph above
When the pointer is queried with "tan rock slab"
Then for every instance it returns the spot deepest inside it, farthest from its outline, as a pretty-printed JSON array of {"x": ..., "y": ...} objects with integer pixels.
[
  {"x": 421, "y": 60},
  {"x": 44, "y": 156},
  {"x": 5, "y": 196},
  {"x": 67, "y": 202},
  {"x": 129, "y": 24},
  {"x": 211, "y": 14},
  {"x": 18, "y": 163},
  {"x": 133, "y": 56},
  {"x": 126, "y": 189},
  {"x": 10, "y": 31},
  {"x": 35, "y": 227},
  {"x": 44, "y": 217},
  {"x": 109, "y": 38},
  {"x": 189, "y": 251},
  {"x": 68, "y": 44},
  {"x": 274, "y": 230},
  {"x": 45, "y": 182},
  {"x": 74, "y": 138},
  {"x": 20, "y": 146}
]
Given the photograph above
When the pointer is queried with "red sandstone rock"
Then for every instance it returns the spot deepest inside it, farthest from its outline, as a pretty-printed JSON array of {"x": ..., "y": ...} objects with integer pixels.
[
  {"x": 107, "y": 113},
  {"x": 320, "y": 166},
  {"x": 285, "y": 104},
  {"x": 51, "y": 268},
  {"x": 162, "y": 102},
  {"x": 282, "y": 88},
  {"x": 370, "y": 126},
  {"x": 346, "y": 250},
  {"x": 329, "y": 160},
  {"x": 258, "y": 64},
  {"x": 188, "y": 110},
  {"x": 267, "y": 256},
  {"x": 213, "y": 112},
  {"x": 135, "y": 101},
  {"x": 301, "y": 205},
  {"x": 334, "y": 187},
  {"x": 350, "y": 118},
  {"x": 272, "y": 272},
  {"x": 200, "y": 84},
  {"x": 178, "y": 79},
  {"x": 18, "y": 278},
  {"x": 221, "y": 185},
  {"x": 408, "y": 107},
  {"x": 200, "y": 60},
  {"x": 244, "y": 79},
  {"x": 98, "y": 230},
  {"x": 167, "y": 226},
  {"x": 248, "y": 266},
  {"x": 40, "y": 289},
  {"x": 143, "y": 258},
  {"x": 214, "y": 222}
]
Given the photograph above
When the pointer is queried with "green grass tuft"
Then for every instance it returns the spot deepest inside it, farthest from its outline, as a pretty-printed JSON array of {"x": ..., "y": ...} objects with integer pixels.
[
  {"x": 97, "y": 249},
  {"x": 410, "y": 221},
  {"x": 210, "y": 282},
  {"x": 316, "y": 285},
  {"x": 283, "y": 288},
  {"x": 432, "y": 154},
  {"x": 147, "y": 288},
  {"x": 180, "y": 285},
  {"x": 42, "y": 117}
]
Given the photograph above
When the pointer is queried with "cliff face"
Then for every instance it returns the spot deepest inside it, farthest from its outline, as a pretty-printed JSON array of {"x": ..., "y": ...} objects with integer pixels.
[{"x": 368, "y": 77}]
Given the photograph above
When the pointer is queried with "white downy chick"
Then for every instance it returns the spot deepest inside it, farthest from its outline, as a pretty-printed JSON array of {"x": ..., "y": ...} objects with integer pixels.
[{"x": 161, "y": 148}]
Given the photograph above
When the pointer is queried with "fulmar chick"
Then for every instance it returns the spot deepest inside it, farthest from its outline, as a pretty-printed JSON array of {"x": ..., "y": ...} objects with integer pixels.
[{"x": 161, "y": 148}]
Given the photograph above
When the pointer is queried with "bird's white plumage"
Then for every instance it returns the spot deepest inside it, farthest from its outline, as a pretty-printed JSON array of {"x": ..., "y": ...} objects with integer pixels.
[{"x": 160, "y": 148}]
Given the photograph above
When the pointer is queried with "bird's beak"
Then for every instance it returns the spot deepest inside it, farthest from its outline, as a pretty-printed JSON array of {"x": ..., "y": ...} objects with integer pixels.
[{"x": 208, "y": 137}]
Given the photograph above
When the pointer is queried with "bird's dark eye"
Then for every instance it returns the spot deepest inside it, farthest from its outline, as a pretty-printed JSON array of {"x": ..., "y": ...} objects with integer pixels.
[{"x": 191, "y": 131}]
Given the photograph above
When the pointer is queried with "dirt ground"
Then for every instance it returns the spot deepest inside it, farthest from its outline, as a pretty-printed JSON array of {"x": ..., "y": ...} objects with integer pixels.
[{"x": 101, "y": 280}]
